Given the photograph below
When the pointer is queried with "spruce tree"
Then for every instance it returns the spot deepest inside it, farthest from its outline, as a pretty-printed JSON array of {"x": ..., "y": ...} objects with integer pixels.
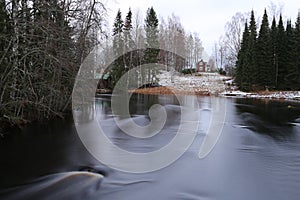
[
  {"x": 297, "y": 49},
  {"x": 128, "y": 21},
  {"x": 118, "y": 24},
  {"x": 242, "y": 73},
  {"x": 281, "y": 69},
  {"x": 152, "y": 43},
  {"x": 118, "y": 68},
  {"x": 252, "y": 50},
  {"x": 118, "y": 39},
  {"x": 264, "y": 54},
  {"x": 151, "y": 28},
  {"x": 128, "y": 41},
  {"x": 274, "y": 51},
  {"x": 291, "y": 75},
  {"x": 130, "y": 57}
]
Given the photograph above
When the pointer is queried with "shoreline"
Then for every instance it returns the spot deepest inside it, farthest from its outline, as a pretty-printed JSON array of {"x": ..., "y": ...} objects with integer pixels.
[
  {"x": 164, "y": 90},
  {"x": 266, "y": 95}
]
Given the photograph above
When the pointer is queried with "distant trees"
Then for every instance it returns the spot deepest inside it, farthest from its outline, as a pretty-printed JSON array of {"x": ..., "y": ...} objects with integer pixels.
[
  {"x": 226, "y": 49},
  {"x": 155, "y": 38},
  {"x": 125, "y": 36},
  {"x": 270, "y": 59},
  {"x": 152, "y": 44},
  {"x": 186, "y": 47},
  {"x": 172, "y": 36},
  {"x": 118, "y": 68},
  {"x": 232, "y": 38},
  {"x": 42, "y": 46}
]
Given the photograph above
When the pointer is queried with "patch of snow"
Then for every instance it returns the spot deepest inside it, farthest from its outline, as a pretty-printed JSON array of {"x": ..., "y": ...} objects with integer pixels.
[
  {"x": 213, "y": 83},
  {"x": 209, "y": 82}
]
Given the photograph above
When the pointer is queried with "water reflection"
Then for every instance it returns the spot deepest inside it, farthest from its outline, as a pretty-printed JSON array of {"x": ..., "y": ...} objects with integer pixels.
[
  {"x": 257, "y": 156},
  {"x": 278, "y": 120}
]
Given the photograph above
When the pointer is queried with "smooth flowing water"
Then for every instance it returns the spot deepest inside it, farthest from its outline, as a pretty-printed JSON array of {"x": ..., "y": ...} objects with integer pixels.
[{"x": 256, "y": 157}]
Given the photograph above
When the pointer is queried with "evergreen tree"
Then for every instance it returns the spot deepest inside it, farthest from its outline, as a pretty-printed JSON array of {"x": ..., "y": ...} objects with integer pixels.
[
  {"x": 242, "y": 74},
  {"x": 128, "y": 21},
  {"x": 152, "y": 42},
  {"x": 131, "y": 58},
  {"x": 151, "y": 28},
  {"x": 128, "y": 41},
  {"x": 291, "y": 76},
  {"x": 281, "y": 69},
  {"x": 297, "y": 49},
  {"x": 118, "y": 24},
  {"x": 273, "y": 59},
  {"x": 274, "y": 50},
  {"x": 118, "y": 68},
  {"x": 252, "y": 27},
  {"x": 118, "y": 40},
  {"x": 252, "y": 50},
  {"x": 264, "y": 54}
]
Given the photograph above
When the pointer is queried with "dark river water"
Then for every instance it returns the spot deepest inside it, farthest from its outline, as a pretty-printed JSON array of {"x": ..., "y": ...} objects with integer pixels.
[{"x": 256, "y": 157}]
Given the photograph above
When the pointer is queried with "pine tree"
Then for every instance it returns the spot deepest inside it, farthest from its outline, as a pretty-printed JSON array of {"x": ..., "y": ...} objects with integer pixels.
[
  {"x": 264, "y": 54},
  {"x": 152, "y": 43}
]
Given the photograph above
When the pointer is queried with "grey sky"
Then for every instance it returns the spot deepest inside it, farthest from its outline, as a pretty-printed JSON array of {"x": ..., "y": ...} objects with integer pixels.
[{"x": 207, "y": 17}]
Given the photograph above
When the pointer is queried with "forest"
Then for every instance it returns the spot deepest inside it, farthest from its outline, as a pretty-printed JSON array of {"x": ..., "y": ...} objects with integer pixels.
[
  {"x": 42, "y": 46},
  {"x": 269, "y": 59},
  {"x": 164, "y": 41}
]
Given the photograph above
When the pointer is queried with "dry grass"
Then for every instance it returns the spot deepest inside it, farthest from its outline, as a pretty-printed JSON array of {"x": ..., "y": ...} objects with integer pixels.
[{"x": 169, "y": 91}]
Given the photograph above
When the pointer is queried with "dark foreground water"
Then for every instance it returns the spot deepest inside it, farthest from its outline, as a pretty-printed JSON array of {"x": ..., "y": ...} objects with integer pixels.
[{"x": 256, "y": 157}]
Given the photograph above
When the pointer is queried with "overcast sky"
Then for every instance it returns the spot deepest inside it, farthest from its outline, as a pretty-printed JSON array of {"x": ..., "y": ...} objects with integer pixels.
[{"x": 206, "y": 17}]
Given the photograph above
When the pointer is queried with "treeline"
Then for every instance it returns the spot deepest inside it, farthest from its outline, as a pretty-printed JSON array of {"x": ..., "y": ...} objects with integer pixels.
[
  {"x": 123, "y": 39},
  {"x": 271, "y": 58},
  {"x": 42, "y": 44},
  {"x": 155, "y": 36}
]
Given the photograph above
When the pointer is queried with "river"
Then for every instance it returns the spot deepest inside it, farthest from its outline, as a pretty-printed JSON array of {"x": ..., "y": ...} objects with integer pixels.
[{"x": 257, "y": 156}]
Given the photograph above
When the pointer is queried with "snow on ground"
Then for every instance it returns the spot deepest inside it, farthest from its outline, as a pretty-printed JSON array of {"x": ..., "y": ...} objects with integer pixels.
[
  {"x": 212, "y": 83},
  {"x": 288, "y": 95},
  {"x": 215, "y": 84}
]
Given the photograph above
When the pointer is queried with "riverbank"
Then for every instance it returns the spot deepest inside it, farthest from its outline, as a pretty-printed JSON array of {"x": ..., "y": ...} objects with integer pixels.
[
  {"x": 209, "y": 84},
  {"x": 276, "y": 95},
  {"x": 201, "y": 84}
]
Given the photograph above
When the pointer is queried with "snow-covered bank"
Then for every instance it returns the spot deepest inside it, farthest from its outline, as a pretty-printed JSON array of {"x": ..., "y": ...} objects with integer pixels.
[
  {"x": 285, "y": 95},
  {"x": 210, "y": 84}
]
